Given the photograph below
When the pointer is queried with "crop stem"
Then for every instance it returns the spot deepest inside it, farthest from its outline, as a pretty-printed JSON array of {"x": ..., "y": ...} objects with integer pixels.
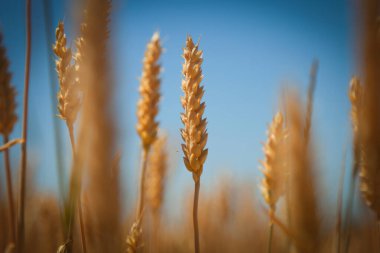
[
  {"x": 8, "y": 172},
  {"x": 195, "y": 217},
  {"x": 21, "y": 206}
]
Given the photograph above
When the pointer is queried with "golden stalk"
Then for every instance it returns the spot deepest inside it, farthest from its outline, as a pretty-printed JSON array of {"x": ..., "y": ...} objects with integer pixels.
[
  {"x": 23, "y": 161},
  {"x": 194, "y": 133},
  {"x": 272, "y": 186}
]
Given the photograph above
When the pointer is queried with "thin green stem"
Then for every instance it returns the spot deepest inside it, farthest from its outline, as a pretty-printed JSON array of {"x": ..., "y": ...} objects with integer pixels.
[
  {"x": 21, "y": 206},
  {"x": 8, "y": 172},
  {"x": 195, "y": 217}
]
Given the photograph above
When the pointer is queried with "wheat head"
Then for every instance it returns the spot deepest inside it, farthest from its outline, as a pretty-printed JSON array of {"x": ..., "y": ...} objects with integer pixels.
[
  {"x": 8, "y": 116},
  {"x": 303, "y": 195},
  {"x": 134, "y": 237},
  {"x": 272, "y": 186},
  {"x": 369, "y": 119},
  {"x": 68, "y": 94},
  {"x": 158, "y": 166},
  {"x": 194, "y": 133},
  {"x": 147, "y": 107}
]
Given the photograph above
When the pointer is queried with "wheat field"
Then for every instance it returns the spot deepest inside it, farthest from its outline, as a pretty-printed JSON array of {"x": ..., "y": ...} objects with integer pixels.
[{"x": 94, "y": 208}]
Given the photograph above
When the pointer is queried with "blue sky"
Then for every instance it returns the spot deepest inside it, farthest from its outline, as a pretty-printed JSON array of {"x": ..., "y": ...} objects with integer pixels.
[{"x": 251, "y": 49}]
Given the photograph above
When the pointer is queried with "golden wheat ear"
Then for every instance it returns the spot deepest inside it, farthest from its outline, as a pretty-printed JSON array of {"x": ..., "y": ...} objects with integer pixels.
[
  {"x": 8, "y": 119},
  {"x": 147, "y": 106},
  {"x": 302, "y": 186},
  {"x": 68, "y": 94},
  {"x": 194, "y": 133}
]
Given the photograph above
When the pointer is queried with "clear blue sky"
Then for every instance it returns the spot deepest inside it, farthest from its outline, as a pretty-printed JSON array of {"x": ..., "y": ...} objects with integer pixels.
[{"x": 251, "y": 49}]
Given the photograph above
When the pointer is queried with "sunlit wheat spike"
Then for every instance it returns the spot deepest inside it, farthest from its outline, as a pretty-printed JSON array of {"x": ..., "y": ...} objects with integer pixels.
[
  {"x": 157, "y": 170},
  {"x": 134, "y": 237},
  {"x": 147, "y": 107},
  {"x": 369, "y": 117},
  {"x": 272, "y": 186},
  {"x": 68, "y": 94},
  {"x": 194, "y": 133},
  {"x": 303, "y": 195},
  {"x": 355, "y": 94},
  {"x": 8, "y": 116}
]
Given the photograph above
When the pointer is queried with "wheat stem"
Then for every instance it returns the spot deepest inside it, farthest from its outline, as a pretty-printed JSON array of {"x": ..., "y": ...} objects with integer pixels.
[
  {"x": 11, "y": 143},
  {"x": 21, "y": 214},
  {"x": 81, "y": 223},
  {"x": 195, "y": 216},
  {"x": 339, "y": 204},
  {"x": 8, "y": 172},
  {"x": 269, "y": 247}
]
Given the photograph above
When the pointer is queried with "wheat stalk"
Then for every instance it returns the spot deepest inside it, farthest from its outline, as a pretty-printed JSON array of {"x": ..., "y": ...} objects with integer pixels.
[
  {"x": 147, "y": 109},
  {"x": 8, "y": 119},
  {"x": 194, "y": 133},
  {"x": 68, "y": 107},
  {"x": 272, "y": 186},
  {"x": 24, "y": 157}
]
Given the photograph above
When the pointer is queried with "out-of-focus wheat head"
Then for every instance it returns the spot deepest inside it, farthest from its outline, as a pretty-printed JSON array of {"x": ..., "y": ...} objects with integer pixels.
[
  {"x": 272, "y": 185},
  {"x": 147, "y": 107},
  {"x": 157, "y": 170},
  {"x": 303, "y": 198},
  {"x": 369, "y": 119},
  {"x": 8, "y": 115},
  {"x": 68, "y": 94},
  {"x": 194, "y": 133},
  {"x": 355, "y": 94},
  {"x": 96, "y": 133}
]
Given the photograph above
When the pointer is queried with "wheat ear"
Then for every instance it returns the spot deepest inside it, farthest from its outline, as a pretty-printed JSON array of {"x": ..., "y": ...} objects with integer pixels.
[
  {"x": 303, "y": 196},
  {"x": 194, "y": 133},
  {"x": 272, "y": 186},
  {"x": 369, "y": 119},
  {"x": 158, "y": 166},
  {"x": 68, "y": 94},
  {"x": 147, "y": 109},
  {"x": 354, "y": 94},
  {"x": 8, "y": 119}
]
